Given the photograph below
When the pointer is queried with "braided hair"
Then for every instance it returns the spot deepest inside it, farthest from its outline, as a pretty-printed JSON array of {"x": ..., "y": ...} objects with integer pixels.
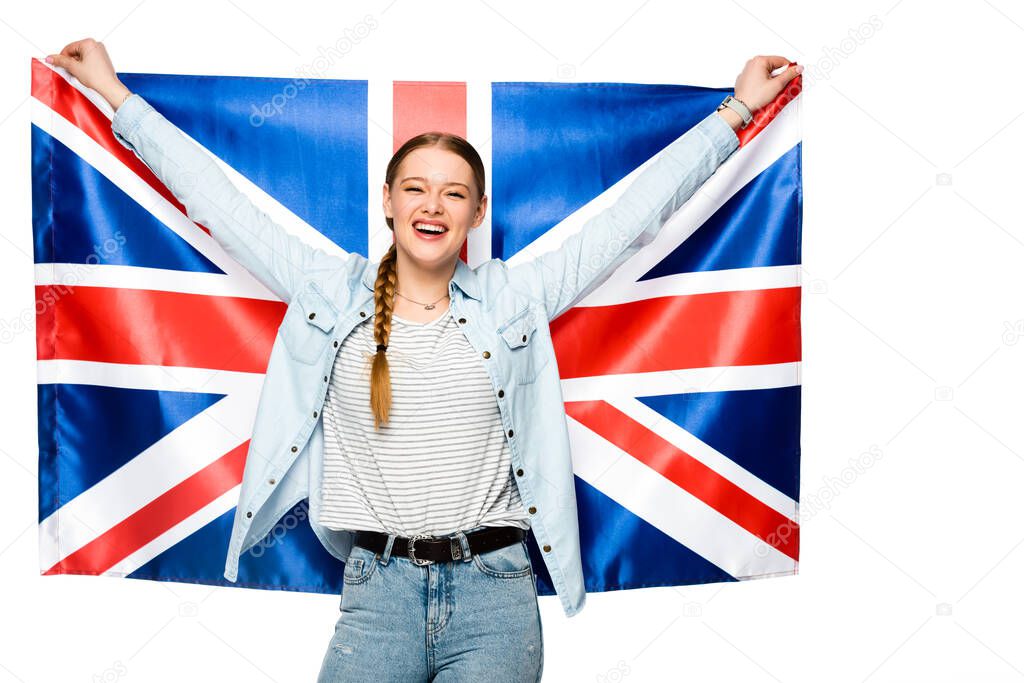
[{"x": 384, "y": 304}]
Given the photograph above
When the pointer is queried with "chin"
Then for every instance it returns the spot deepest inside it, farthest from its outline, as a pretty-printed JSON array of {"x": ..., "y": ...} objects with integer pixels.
[{"x": 430, "y": 254}]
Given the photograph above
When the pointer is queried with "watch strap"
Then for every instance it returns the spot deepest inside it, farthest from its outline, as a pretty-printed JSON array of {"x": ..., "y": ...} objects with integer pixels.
[{"x": 738, "y": 107}]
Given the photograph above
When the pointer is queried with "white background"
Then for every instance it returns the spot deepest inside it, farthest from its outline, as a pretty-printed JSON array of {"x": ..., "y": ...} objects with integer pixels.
[{"x": 911, "y": 562}]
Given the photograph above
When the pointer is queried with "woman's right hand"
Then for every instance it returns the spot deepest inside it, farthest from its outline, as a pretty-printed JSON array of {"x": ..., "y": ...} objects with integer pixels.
[{"x": 88, "y": 61}]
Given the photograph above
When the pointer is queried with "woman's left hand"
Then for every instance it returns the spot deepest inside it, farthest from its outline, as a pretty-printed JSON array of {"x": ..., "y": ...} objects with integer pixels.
[{"x": 756, "y": 87}]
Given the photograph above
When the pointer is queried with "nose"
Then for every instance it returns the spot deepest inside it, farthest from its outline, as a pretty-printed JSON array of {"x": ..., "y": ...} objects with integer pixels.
[{"x": 432, "y": 203}]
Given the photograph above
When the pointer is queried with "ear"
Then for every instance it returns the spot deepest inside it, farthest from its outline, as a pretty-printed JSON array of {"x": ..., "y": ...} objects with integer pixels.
[
  {"x": 388, "y": 211},
  {"x": 481, "y": 211}
]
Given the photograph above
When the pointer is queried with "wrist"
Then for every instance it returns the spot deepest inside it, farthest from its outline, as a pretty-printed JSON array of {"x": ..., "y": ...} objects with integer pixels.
[
  {"x": 734, "y": 120},
  {"x": 115, "y": 94},
  {"x": 742, "y": 115}
]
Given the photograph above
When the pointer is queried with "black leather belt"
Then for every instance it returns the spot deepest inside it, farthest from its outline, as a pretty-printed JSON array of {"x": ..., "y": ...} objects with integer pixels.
[{"x": 423, "y": 549}]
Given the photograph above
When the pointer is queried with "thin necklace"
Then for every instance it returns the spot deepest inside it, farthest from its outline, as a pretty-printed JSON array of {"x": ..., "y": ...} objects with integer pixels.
[{"x": 428, "y": 307}]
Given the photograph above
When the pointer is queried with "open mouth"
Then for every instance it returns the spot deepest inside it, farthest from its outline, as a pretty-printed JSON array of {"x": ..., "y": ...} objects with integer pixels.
[{"x": 429, "y": 228}]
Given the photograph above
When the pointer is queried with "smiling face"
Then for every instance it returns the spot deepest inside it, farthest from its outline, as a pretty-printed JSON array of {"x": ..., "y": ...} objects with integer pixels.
[{"x": 434, "y": 190}]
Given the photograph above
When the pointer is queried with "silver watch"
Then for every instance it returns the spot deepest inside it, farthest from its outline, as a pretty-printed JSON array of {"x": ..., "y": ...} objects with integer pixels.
[{"x": 738, "y": 107}]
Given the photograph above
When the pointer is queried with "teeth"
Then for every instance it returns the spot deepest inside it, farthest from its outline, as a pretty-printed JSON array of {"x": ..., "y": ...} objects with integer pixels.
[{"x": 429, "y": 228}]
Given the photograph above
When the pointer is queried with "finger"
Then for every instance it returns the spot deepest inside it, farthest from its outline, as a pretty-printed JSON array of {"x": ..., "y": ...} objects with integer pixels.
[
  {"x": 78, "y": 48},
  {"x": 72, "y": 49},
  {"x": 773, "y": 62},
  {"x": 789, "y": 74},
  {"x": 62, "y": 60}
]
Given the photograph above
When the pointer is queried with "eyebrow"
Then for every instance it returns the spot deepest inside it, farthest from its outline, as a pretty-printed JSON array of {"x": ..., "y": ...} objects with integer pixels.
[{"x": 425, "y": 180}]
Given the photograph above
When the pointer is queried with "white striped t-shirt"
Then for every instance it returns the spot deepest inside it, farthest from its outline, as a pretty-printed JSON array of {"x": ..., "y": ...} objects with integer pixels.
[{"x": 441, "y": 463}]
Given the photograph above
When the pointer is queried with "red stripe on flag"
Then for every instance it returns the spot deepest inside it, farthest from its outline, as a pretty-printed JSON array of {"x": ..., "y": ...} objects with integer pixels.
[
  {"x": 147, "y": 327},
  {"x": 747, "y": 327},
  {"x": 155, "y": 518},
  {"x": 421, "y": 106},
  {"x": 688, "y": 473},
  {"x": 46, "y": 319},
  {"x": 60, "y": 96}
]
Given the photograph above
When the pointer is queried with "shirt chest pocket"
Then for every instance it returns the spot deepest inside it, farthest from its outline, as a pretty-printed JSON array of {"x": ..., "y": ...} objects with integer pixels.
[
  {"x": 522, "y": 337},
  {"x": 307, "y": 325}
]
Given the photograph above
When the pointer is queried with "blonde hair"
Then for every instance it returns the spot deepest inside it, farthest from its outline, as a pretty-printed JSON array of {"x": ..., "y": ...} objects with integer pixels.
[{"x": 387, "y": 270}]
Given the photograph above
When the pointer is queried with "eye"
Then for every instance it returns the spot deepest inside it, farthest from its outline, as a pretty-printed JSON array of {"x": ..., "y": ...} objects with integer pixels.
[
  {"x": 455, "y": 194},
  {"x": 410, "y": 189}
]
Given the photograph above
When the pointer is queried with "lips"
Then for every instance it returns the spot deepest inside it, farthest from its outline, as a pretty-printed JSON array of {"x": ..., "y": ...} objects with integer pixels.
[{"x": 430, "y": 227}]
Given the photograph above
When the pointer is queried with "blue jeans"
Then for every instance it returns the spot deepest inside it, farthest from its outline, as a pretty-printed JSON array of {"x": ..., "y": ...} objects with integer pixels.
[{"x": 473, "y": 619}]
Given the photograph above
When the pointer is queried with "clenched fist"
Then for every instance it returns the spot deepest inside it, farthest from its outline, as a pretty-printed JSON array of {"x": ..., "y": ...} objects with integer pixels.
[
  {"x": 88, "y": 61},
  {"x": 756, "y": 87}
]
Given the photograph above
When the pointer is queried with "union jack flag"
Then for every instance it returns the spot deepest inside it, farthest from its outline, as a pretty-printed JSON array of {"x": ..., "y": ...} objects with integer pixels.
[{"x": 152, "y": 342}]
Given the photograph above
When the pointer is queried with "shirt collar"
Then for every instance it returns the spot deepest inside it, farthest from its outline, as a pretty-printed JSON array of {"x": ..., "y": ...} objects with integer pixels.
[{"x": 465, "y": 278}]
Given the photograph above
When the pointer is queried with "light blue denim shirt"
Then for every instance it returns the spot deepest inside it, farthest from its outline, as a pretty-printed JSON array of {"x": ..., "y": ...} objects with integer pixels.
[{"x": 503, "y": 310}]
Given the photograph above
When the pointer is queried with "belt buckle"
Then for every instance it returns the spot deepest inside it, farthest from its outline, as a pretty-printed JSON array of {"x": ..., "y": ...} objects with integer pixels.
[{"x": 412, "y": 556}]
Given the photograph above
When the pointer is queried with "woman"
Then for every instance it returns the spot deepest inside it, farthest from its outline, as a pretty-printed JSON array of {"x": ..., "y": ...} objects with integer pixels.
[{"x": 415, "y": 401}]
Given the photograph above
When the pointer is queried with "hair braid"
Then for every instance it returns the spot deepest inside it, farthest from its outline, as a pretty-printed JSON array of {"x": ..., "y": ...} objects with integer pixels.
[{"x": 384, "y": 304}]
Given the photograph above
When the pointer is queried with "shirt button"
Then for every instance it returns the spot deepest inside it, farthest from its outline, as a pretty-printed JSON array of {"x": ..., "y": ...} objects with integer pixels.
[
  {"x": 510, "y": 432},
  {"x": 501, "y": 393},
  {"x": 273, "y": 481},
  {"x": 335, "y": 343},
  {"x": 487, "y": 354},
  {"x": 524, "y": 337},
  {"x": 462, "y": 321},
  {"x": 248, "y": 514},
  {"x": 314, "y": 413},
  {"x": 294, "y": 448},
  {"x": 547, "y": 548},
  {"x": 362, "y": 314},
  {"x": 325, "y": 378},
  {"x": 519, "y": 472},
  {"x": 532, "y": 510},
  {"x": 312, "y": 315}
]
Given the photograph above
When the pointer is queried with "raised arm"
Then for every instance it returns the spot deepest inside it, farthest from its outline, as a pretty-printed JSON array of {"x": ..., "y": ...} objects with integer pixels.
[
  {"x": 586, "y": 259},
  {"x": 275, "y": 257}
]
